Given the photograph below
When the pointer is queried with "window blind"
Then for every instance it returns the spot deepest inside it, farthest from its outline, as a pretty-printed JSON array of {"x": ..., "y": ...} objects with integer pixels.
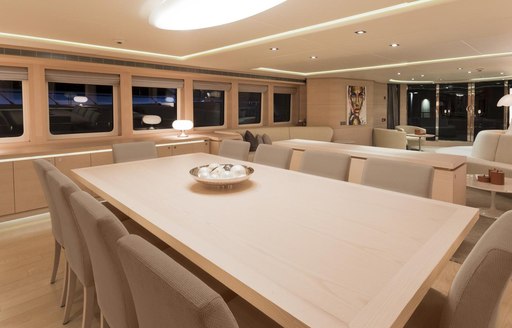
[
  {"x": 81, "y": 77},
  {"x": 252, "y": 88},
  {"x": 203, "y": 85},
  {"x": 8, "y": 73},
  {"x": 154, "y": 82}
]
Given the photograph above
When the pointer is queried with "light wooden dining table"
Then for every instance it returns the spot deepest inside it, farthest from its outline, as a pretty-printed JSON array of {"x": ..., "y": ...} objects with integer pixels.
[{"x": 307, "y": 251}]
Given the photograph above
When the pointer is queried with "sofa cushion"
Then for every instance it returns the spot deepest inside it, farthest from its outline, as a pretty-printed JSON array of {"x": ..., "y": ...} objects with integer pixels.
[
  {"x": 389, "y": 138},
  {"x": 485, "y": 144},
  {"x": 504, "y": 149},
  {"x": 266, "y": 139},
  {"x": 250, "y": 138}
]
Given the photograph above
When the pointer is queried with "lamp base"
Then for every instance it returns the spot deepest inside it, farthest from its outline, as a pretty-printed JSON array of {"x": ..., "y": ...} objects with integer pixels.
[{"x": 182, "y": 134}]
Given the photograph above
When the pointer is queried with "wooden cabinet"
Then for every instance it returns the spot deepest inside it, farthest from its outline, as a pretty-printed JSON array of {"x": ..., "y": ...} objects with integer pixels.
[
  {"x": 196, "y": 147},
  {"x": 28, "y": 193},
  {"x": 6, "y": 188},
  {"x": 164, "y": 151},
  {"x": 20, "y": 189}
]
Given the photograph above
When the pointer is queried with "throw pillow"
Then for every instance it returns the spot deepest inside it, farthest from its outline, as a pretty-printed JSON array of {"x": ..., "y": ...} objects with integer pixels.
[
  {"x": 260, "y": 139},
  {"x": 266, "y": 139},
  {"x": 250, "y": 138}
]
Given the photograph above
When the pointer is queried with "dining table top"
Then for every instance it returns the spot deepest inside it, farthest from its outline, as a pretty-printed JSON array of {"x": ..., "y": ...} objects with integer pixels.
[{"x": 306, "y": 250}]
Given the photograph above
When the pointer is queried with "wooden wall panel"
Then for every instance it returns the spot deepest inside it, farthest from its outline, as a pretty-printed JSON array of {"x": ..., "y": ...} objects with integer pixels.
[
  {"x": 28, "y": 193},
  {"x": 6, "y": 188}
]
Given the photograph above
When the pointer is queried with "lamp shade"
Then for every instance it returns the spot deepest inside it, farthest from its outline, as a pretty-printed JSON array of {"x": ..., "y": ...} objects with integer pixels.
[
  {"x": 506, "y": 100},
  {"x": 182, "y": 125}
]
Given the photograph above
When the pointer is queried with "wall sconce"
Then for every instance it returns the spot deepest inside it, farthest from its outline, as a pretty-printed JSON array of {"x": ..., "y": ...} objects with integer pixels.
[{"x": 182, "y": 125}]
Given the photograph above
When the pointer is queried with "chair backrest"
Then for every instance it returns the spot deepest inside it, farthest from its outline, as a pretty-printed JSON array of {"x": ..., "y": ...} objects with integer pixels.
[
  {"x": 166, "y": 294},
  {"x": 273, "y": 155},
  {"x": 134, "y": 151},
  {"x": 409, "y": 178},
  {"x": 101, "y": 230},
  {"x": 42, "y": 167},
  {"x": 77, "y": 254},
  {"x": 326, "y": 164},
  {"x": 477, "y": 289},
  {"x": 236, "y": 149}
]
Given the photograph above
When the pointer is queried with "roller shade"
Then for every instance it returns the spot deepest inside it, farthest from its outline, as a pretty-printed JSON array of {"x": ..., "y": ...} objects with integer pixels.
[
  {"x": 287, "y": 90},
  {"x": 154, "y": 82},
  {"x": 13, "y": 73},
  {"x": 212, "y": 86},
  {"x": 252, "y": 88},
  {"x": 81, "y": 77}
]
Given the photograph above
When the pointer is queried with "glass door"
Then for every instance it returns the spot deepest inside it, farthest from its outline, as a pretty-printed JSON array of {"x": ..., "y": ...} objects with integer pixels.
[
  {"x": 453, "y": 111},
  {"x": 421, "y": 106},
  {"x": 488, "y": 116}
]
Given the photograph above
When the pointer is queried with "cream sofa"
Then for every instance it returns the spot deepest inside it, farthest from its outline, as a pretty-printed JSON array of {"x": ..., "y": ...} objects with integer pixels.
[
  {"x": 278, "y": 133},
  {"x": 412, "y": 142},
  {"x": 491, "y": 149},
  {"x": 389, "y": 138}
]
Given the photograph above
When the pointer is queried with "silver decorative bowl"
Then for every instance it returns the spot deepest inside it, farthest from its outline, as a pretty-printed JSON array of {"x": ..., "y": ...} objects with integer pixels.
[{"x": 219, "y": 181}]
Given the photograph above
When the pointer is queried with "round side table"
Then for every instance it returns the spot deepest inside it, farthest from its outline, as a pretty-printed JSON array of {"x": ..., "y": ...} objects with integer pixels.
[{"x": 492, "y": 211}]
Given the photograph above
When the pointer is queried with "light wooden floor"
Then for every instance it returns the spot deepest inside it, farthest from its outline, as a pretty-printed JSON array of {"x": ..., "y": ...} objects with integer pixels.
[{"x": 28, "y": 300}]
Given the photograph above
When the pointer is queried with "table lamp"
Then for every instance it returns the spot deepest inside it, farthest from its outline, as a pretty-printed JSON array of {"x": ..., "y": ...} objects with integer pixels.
[
  {"x": 506, "y": 100},
  {"x": 182, "y": 125}
]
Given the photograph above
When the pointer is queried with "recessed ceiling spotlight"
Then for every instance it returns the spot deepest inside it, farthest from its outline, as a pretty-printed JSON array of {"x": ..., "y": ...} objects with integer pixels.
[
  {"x": 360, "y": 32},
  {"x": 274, "y": 49},
  {"x": 412, "y": 79},
  {"x": 398, "y": 73},
  {"x": 313, "y": 57},
  {"x": 422, "y": 75},
  {"x": 469, "y": 72},
  {"x": 394, "y": 45},
  {"x": 460, "y": 68},
  {"x": 502, "y": 73}
]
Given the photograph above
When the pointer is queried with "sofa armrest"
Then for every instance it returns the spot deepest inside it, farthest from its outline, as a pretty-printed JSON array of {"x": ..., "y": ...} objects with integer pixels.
[{"x": 388, "y": 138}]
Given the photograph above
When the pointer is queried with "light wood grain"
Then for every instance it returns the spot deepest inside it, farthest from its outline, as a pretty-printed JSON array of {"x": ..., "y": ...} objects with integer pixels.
[
  {"x": 27, "y": 188},
  {"x": 306, "y": 250},
  {"x": 6, "y": 188}
]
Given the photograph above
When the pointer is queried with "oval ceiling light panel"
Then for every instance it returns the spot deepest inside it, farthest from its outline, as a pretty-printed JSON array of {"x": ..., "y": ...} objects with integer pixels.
[{"x": 196, "y": 14}]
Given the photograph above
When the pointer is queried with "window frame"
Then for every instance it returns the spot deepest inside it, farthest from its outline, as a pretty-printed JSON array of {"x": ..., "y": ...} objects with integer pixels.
[
  {"x": 284, "y": 90},
  {"x": 73, "y": 77},
  {"x": 211, "y": 86},
  {"x": 249, "y": 88},
  {"x": 11, "y": 74},
  {"x": 160, "y": 83}
]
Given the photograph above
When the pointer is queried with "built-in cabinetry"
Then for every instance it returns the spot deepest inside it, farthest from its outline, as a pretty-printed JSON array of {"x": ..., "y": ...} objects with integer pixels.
[
  {"x": 21, "y": 191},
  {"x": 6, "y": 188}
]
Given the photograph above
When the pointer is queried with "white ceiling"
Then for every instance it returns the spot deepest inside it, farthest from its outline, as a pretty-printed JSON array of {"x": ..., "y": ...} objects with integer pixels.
[{"x": 443, "y": 30}]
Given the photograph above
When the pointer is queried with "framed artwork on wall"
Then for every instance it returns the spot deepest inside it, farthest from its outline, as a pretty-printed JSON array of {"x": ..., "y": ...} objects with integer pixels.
[{"x": 356, "y": 105}]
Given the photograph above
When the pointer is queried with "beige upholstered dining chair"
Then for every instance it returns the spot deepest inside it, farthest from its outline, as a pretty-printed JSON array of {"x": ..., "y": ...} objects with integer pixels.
[
  {"x": 409, "y": 178},
  {"x": 236, "y": 149},
  {"x": 476, "y": 291},
  {"x": 79, "y": 264},
  {"x": 273, "y": 156},
  {"x": 172, "y": 296},
  {"x": 101, "y": 230},
  {"x": 42, "y": 167},
  {"x": 134, "y": 151},
  {"x": 326, "y": 164}
]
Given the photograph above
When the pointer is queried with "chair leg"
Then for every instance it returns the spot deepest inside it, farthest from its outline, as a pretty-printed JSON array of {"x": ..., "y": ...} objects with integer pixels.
[
  {"x": 70, "y": 296},
  {"x": 65, "y": 286},
  {"x": 88, "y": 310},
  {"x": 56, "y": 259}
]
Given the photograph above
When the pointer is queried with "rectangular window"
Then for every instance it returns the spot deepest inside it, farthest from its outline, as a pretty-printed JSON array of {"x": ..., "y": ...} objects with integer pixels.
[
  {"x": 249, "y": 104},
  {"x": 11, "y": 101},
  {"x": 209, "y": 103},
  {"x": 81, "y": 102},
  {"x": 282, "y": 107},
  {"x": 155, "y": 102}
]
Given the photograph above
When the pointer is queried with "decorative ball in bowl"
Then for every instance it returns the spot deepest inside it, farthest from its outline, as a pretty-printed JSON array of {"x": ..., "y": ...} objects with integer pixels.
[{"x": 221, "y": 174}]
